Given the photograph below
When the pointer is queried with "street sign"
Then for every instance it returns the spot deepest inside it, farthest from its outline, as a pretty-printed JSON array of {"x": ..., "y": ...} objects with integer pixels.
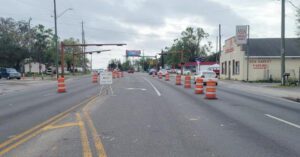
[
  {"x": 105, "y": 78},
  {"x": 241, "y": 34}
]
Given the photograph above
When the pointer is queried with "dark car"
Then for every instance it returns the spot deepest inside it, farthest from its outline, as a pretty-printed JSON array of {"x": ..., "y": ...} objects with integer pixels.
[
  {"x": 130, "y": 71},
  {"x": 9, "y": 73}
]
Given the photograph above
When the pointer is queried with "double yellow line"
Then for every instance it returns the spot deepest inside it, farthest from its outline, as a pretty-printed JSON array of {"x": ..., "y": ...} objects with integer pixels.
[
  {"x": 97, "y": 141},
  {"x": 27, "y": 135}
]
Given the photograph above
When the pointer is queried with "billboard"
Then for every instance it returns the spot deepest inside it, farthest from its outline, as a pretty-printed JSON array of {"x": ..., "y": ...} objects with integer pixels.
[
  {"x": 133, "y": 53},
  {"x": 241, "y": 34}
]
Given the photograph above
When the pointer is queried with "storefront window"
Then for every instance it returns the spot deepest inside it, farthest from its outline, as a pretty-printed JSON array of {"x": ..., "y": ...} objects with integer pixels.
[
  {"x": 233, "y": 68},
  {"x": 237, "y": 68}
]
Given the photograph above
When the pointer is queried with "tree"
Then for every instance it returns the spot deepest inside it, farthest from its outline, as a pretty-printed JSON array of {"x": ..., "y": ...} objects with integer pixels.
[
  {"x": 43, "y": 48},
  {"x": 190, "y": 43},
  {"x": 114, "y": 63},
  {"x": 69, "y": 54},
  {"x": 13, "y": 42}
]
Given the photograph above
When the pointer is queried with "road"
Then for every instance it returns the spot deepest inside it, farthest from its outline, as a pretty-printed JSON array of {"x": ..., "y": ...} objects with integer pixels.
[{"x": 139, "y": 115}]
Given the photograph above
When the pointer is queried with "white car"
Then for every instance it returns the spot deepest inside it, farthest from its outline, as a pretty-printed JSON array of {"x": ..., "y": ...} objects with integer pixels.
[
  {"x": 207, "y": 75},
  {"x": 163, "y": 72}
]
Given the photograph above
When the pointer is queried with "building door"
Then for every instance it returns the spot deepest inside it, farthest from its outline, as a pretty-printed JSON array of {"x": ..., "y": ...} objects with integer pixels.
[{"x": 229, "y": 70}]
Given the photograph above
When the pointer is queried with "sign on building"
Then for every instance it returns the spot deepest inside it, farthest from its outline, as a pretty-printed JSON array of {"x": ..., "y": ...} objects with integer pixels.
[
  {"x": 241, "y": 34},
  {"x": 106, "y": 78}
]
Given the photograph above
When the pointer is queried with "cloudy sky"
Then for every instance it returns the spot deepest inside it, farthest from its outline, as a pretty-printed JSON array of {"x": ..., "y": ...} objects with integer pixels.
[{"x": 150, "y": 25}]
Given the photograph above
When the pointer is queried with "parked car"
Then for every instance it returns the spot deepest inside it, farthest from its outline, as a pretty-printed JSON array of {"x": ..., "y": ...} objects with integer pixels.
[
  {"x": 207, "y": 75},
  {"x": 151, "y": 71},
  {"x": 163, "y": 72},
  {"x": 130, "y": 71},
  {"x": 49, "y": 71},
  {"x": 9, "y": 73}
]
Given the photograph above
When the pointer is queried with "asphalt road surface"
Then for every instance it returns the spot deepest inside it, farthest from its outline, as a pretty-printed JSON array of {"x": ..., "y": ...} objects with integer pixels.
[{"x": 142, "y": 116}]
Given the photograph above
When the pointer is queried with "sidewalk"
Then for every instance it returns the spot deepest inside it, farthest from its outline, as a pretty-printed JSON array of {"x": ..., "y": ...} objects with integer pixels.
[{"x": 270, "y": 89}]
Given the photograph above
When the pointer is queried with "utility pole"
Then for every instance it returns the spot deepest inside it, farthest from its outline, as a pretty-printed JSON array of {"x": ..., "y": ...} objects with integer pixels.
[
  {"x": 56, "y": 39},
  {"x": 248, "y": 50},
  {"x": 30, "y": 46},
  {"x": 283, "y": 42},
  {"x": 220, "y": 42},
  {"x": 217, "y": 49},
  {"x": 162, "y": 60},
  {"x": 143, "y": 61},
  {"x": 83, "y": 48}
]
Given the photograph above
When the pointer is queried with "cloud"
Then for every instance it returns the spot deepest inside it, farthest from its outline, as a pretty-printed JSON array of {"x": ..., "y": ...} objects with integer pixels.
[{"x": 150, "y": 24}]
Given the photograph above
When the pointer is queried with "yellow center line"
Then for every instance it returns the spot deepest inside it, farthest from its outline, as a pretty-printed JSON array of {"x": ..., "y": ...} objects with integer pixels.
[
  {"x": 97, "y": 141},
  {"x": 25, "y": 136},
  {"x": 84, "y": 138},
  {"x": 28, "y": 137},
  {"x": 50, "y": 127}
]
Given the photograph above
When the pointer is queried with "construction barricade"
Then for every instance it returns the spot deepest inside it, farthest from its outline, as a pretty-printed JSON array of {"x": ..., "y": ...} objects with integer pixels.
[
  {"x": 61, "y": 88},
  {"x": 187, "y": 82},
  {"x": 199, "y": 86},
  {"x": 167, "y": 77},
  {"x": 178, "y": 79},
  {"x": 95, "y": 78},
  {"x": 210, "y": 90},
  {"x": 160, "y": 75},
  {"x": 113, "y": 74}
]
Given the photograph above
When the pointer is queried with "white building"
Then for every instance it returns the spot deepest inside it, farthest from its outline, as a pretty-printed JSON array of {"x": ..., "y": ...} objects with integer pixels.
[
  {"x": 34, "y": 67},
  {"x": 264, "y": 60}
]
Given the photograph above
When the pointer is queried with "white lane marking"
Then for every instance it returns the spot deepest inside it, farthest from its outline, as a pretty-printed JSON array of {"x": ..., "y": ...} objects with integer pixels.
[
  {"x": 49, "y": 94},
  {"x": 284, "y": 121},
  {"x": 142, "y": 89},
  {"x": 158, "y": 93}
]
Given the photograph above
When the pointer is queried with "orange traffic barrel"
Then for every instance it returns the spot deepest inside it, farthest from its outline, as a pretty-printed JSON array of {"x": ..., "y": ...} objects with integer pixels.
[
  {"x": 210, "y": 90},
  {"x": 178, "y": 79},
  {"x": 95, "y": 78},
  {"x": 122, "y": 74},
  {"x": 114, "y": 74},
  {"x": 61, "y": 88},
  {"x": 199, "y": 86},
  {"x": 167, "y": 78},
  {"x": 118, "y": 74},
  {"x": 187, "y": 82},
  {"x": 160, "y": 75}
]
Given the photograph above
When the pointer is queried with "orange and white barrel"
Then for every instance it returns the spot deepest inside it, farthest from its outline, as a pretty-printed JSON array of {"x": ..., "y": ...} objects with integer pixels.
[
  {"x": 61, "y": 88},
  {"x": 199, "y": 86},
  {"x": 178, "y": 79},
  {"x": 160, "y": 75},
  {"x": 95, "y": 78},
  {"x": 187, "y": 82},
  {"x": 167, "y": 78},
  {"x": 114, "y": 74},
  {"x": 211, "y": 90}
]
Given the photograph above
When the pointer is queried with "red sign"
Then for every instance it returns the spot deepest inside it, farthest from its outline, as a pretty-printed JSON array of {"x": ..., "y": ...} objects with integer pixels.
[{"x": 229, "y": 45}]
